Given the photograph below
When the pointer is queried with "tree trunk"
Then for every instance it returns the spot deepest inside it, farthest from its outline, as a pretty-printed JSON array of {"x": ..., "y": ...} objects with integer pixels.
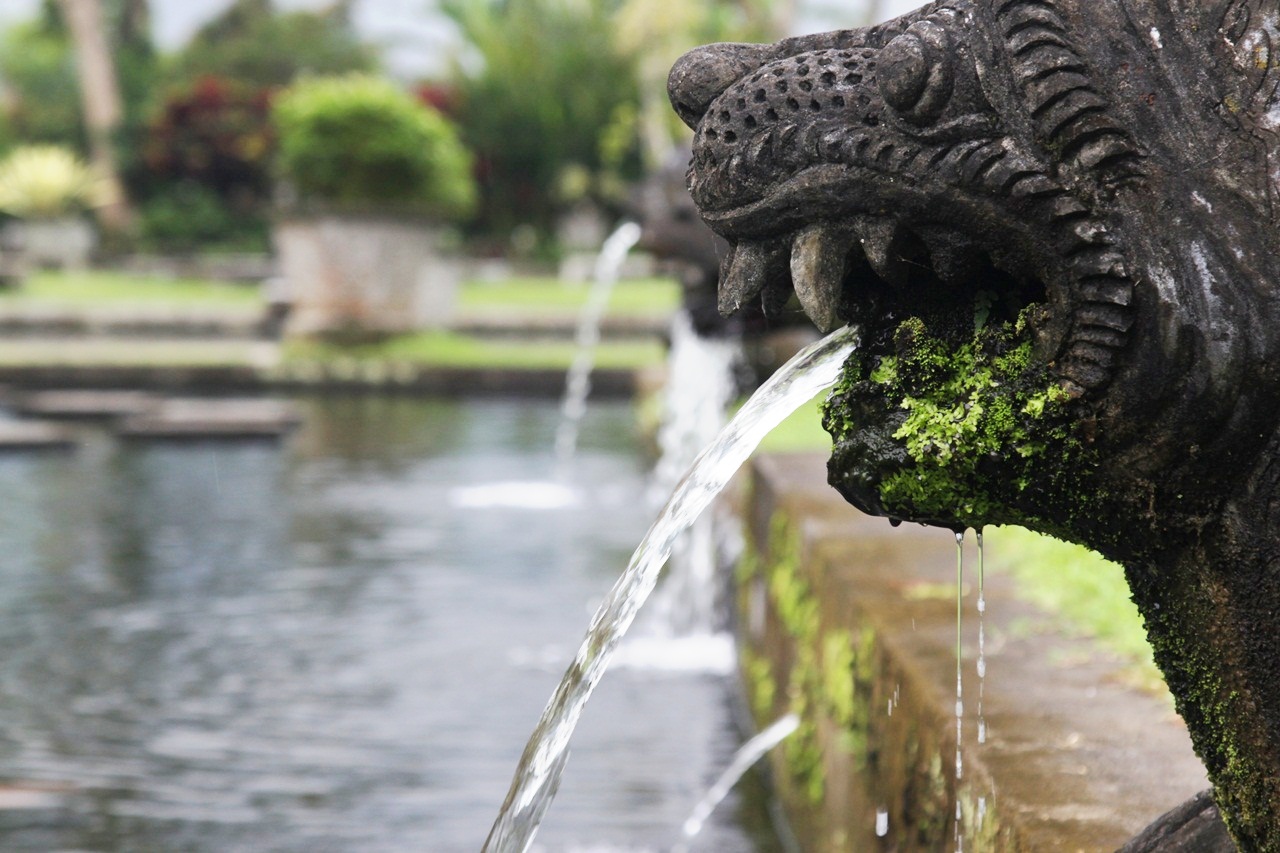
[{"x": 101, "y": 103}]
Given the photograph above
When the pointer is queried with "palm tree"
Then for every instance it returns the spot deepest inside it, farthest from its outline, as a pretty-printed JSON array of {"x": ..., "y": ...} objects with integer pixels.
[{"x": 101, "y": 102}]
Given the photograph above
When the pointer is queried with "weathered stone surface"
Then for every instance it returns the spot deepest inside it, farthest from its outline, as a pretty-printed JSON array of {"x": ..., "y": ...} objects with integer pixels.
[
  {"x": 363, "y": 276},
  {"x": 855, "y": 623},
  {"x": 1065, "y": 271}
]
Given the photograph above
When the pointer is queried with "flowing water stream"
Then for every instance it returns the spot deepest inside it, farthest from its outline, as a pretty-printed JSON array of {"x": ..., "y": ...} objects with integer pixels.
[
  {"x": 538, "y": 775},
  {"x": 751, "y": 752},
  {"x": 578, "y": 381}
]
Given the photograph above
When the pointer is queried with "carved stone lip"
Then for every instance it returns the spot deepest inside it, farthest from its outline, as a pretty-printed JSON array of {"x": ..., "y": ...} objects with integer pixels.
[{"x": 793, "y": 203}]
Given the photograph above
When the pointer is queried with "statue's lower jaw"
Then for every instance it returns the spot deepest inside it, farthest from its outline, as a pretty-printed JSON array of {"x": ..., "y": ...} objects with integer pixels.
[{"x": 957, "y": 435}]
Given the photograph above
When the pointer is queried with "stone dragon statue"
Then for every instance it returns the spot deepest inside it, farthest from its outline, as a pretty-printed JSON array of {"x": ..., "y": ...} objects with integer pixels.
[{"x": 1056, "y": 223}]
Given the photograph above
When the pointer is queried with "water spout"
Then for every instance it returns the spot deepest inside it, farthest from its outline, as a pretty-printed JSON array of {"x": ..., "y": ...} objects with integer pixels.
[
  {"x": 578, "y": 381},
  {"x": 812, "y": 370},
  {"x": 749, "y": 753}
]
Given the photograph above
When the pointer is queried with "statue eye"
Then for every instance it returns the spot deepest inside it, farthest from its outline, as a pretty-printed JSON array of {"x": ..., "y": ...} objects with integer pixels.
[{"x": 915, "y": 73}]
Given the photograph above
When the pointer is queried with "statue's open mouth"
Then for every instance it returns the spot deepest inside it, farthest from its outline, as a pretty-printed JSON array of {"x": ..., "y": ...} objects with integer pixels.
[
  {"x": 872, "y": 266},
  {"x": 869, "y": 173}
]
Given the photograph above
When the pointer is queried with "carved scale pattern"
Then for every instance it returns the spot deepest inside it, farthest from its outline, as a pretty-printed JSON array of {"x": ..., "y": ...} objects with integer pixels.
[
  {"x": 823, "y": 107},
  {"x": 1068, "y": 112}
]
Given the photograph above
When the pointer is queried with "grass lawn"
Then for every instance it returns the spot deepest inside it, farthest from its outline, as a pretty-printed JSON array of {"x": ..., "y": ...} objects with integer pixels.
[
  {"x": 801, "y": 431},
  {"x": 100, "y": 288},
  {"x": 1086, "y": 593},
  {"x": 446, "y": 349},
  {"x": 633, "y": 297},
  {"x": 541, "y": 296}
]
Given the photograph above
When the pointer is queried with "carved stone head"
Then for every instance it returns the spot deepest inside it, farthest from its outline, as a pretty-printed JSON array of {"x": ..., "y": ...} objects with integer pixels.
[{"x": 1054, "y": 221}]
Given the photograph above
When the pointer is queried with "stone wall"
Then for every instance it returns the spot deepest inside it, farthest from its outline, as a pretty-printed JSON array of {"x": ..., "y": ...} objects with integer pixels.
[{"x": 851, "y": 624}]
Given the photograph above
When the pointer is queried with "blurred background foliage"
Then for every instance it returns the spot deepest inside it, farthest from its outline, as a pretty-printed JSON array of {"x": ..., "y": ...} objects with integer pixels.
[{"x": 561, "y": 104}]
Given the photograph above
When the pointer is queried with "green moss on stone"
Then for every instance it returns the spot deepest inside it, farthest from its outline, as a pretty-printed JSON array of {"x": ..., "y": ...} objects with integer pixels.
[{"x": 923, "y": 426}]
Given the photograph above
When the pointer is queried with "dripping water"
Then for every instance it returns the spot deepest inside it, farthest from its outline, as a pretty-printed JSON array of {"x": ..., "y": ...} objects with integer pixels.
[
  {"x": 959, "y": 684},
  {"x": 882, "y": 823},
  {"x": 577, "y": 384},
  {"x": 982, "y": 643},
  {"x": 959, "y": 656},
  {"x": 538, "y": 775},
  {"x": 747, "y": 755}
]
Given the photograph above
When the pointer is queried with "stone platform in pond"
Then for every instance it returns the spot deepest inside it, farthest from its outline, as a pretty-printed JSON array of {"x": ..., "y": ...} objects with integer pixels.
[
  {"x": 212, "y": 418},
  {"x": 35, "y": 435},
  {"x": 84, "y": 404},
  {"x": 853, "y": 624}
]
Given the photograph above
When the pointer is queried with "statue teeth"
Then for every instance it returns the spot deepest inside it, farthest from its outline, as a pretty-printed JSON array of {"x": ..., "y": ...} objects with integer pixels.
[
  {"x": 819, "y": 259},
  {"x": 743, "y": 273},
  {"x": 881, "y": 238}
]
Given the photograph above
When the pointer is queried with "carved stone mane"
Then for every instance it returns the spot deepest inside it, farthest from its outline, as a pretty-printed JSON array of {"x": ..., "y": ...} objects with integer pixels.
[{"x": 1056, "y": 222}]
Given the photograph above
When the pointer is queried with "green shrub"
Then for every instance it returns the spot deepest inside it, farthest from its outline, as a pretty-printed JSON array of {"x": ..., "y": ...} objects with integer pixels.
[
  {"x": 358, "y": 142},
  {"x": 188, "y": 217},
  {"x": 40, "y": 102}
]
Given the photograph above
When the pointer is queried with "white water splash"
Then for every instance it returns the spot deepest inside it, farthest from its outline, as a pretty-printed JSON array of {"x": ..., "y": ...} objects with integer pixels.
[
  {"x": 747, "y": 755},
  {"x": 684, "y": 633},
  {"x": 514, "y": 494},
  {"x": 812, "y": 370},
  {"x": 703, "y": 652},
  {"x": 577, "y": 384},
  {"x": 700, "y": 388}
]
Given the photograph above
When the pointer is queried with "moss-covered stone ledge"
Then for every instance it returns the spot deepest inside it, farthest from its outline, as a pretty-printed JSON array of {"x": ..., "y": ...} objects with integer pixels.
[{"x": 851, "y": 624}]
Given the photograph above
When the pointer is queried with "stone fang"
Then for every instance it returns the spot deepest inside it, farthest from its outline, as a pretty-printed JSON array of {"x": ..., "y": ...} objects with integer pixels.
[{"x": 819, "y": 259}]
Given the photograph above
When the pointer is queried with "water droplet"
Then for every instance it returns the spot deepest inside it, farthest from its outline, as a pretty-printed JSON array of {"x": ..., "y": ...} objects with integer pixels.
[
  {"x": 882, "y": 823},
  {"x": 982, "y": 668},
  {"x": 982, "y": 731}
]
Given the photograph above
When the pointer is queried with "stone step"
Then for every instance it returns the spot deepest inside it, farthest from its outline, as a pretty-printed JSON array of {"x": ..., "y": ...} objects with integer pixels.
[{"x": 135, "y": 321}]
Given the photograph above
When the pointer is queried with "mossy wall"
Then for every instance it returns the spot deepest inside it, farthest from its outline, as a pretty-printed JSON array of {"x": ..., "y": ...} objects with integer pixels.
[{"x": 870, "y": 736}]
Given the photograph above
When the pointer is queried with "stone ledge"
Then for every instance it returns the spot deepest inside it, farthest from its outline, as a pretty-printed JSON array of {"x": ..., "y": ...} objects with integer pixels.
[{"x": 846, "y": 617}]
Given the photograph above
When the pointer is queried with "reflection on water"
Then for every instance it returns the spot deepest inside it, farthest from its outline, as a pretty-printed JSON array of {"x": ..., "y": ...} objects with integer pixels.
[{"x": 338, "y": 644}]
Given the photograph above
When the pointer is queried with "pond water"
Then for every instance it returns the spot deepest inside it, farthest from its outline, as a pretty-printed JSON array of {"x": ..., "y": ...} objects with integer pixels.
[{"x": 340, "y": 643}]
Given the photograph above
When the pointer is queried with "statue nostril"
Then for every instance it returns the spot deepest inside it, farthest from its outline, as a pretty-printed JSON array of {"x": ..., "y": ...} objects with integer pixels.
[
  {"x": 904, "y": 72},
  {"x": 703, "y": 74}
]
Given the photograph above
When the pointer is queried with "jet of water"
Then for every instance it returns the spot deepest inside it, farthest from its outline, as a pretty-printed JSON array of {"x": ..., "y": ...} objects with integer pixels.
[
  {"x": 747, "y": 755},
  {"x": 578, "y": 381},
  {"x": 812, "y": 370}
]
